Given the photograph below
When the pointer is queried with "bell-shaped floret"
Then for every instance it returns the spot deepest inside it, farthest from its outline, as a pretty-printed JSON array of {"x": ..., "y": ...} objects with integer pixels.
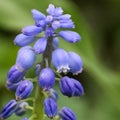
[
  {"x": 70, "y": 36},
  {"x": 50, "y": 107},
  {"x": 24, "y": 89},
  {"x": 37, "y": 15},
  {"x": 75, "y": 63},
  {"x": 26, "y": 57},
  {"x": 67, "y": 114},
  {"x": 8, "y": 109},
  {"x": 32, "y": 30},
  {"x": 15, "y": 74},
  {"x": 23, "y": 40},
  {"x": 67, "y": 86},
  {"x": 60, "y": 60},
  {"x": 40, "y": 45},
  {"x": 46, "y": 79},
  {"x": 79, "y": 90}
]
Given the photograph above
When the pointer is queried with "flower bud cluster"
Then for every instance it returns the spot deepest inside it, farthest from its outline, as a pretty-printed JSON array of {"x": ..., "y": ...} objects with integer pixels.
[{"x": 62, "y": 61}]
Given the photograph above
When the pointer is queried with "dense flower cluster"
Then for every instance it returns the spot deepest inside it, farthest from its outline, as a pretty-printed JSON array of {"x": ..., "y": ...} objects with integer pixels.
[{"x": 63, "y": 61}]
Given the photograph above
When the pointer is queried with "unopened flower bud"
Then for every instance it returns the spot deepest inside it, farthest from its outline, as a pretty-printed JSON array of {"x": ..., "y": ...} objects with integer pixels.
[
  {"x": 15, "y": 74},
  {"x": 50, "y": 107},
  {"x": 37, "y": 15},
  {"x": 23, "y": 40},
  {"x": 32, "y": 30},
  {"x": 79, "y": 90},
  {"x": 24, "y": 89},
  {"x": 67, "y": 86},
  {"x": 26, "y": 57},
  {"x": 70, "y": 36},
  {"x": 40, "y": 45},
  {"x": 8, "y": 109},
  {"x": 67, "y": 114}
]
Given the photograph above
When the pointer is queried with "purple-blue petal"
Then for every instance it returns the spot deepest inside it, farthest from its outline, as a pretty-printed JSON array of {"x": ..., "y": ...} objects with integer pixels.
[
  {"x": 60, "y": 60},
  {"x": 46, "y": 78},
  {"x": 50, "y": 107},
  {"x": 40, "y": 45},
  {"x": 26, "y": 57},
  {"x": 24, "y": 89},
  {"x": 67, "y": 86},
  {"x": 67, "y": 114},
  {"x": 8, "y": 109},
  {"x": 70, "y": 36},
  {"x": 37, "y": 15},
  {"x": 32, "y": 30},
  {"x": 75, "y": 63},
  {"x": 23, "y": 40}
]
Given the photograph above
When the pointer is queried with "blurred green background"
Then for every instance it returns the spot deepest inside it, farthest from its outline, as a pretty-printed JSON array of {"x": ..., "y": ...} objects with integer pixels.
[{"x": 98, "y": 22}]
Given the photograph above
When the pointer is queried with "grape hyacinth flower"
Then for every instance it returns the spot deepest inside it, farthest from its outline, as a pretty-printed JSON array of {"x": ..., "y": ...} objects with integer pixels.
[
  {"x": 8, "y": 109},
  {"x": 67, "y": 114},
  {"x": 15, "y": 74},
  {"x": 75, "y": 63},
  {"x": 25, "y": 58},
  {"x": 46, "y": 78},
  {"x": 60, "y": 60},
  {"x": 40, "y": 48},
  {"x": 50, "y": 107},
  {"x": 71, "y": 87},
  {"x": 24, "y": 89},
  {"x": 23, "y": 40}
]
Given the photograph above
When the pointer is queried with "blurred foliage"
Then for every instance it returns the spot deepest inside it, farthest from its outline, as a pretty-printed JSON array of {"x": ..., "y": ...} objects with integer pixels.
[{"x": 98, "y": 24}]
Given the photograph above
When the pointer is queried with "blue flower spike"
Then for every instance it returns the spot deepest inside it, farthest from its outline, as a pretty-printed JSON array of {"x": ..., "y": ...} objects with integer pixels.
[
  {"x": 76, "y": 65},
  {"x": 70, "y": 36},
  {"x": 46, "y": 79},
  {"x": 26, "y": 57},
  {"x": 8, "y": 109},
  {"x": 23, "y": 40},
  {"x": 50, "y": 107},
  {"x": 60, "y": 60},
  {"x": 24, "y": 89},
  {"x": 41, "y": 40},
  {"x": 20, "y": 109},
  {"x": 67, "y": 114}
]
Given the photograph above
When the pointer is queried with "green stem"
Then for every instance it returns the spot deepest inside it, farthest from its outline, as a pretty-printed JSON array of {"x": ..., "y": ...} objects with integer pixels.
[
  {"x": 28, "y": 99},
  {"x": 38, "y": 107},
  {"x": 29, "y": 107}
]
